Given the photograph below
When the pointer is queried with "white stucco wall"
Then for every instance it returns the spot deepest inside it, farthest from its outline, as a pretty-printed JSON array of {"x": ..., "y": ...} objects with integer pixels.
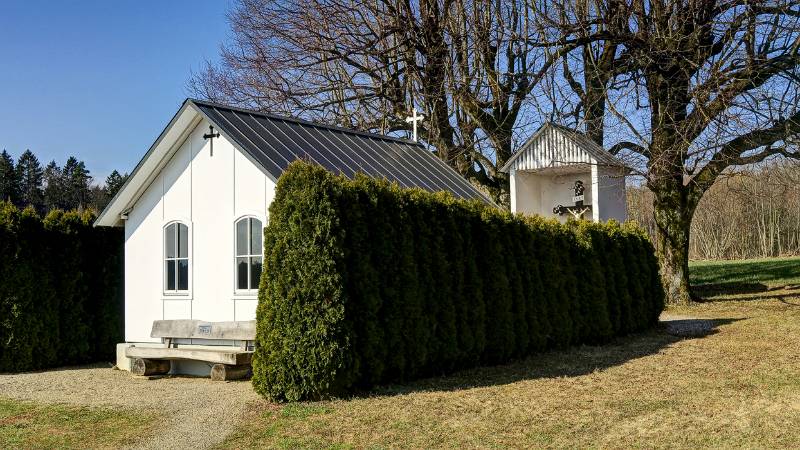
[
  {"x": 609, "y": 194},
  {"x": 525, "y": 197},
  {"x": 538, "y": 193},
  {"x": 208, "y": 193}
]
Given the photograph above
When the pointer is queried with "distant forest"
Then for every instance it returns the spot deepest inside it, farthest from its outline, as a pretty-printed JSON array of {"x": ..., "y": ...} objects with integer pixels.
[
  {"x": 753, "y": 212},
  {"x": 26, "y": 183}
]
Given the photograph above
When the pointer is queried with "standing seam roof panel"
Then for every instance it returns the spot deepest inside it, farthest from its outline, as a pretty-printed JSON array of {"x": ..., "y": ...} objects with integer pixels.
[
  {"x": 357, "y": 158},
  {"x": 452, "y": 174},
  {"x": 427, "y": 180},
  {"x": 252, "y": 136},
  {"x": 360, "y": 164},
  {"x": 274, "y": 129},
  {"x": 405, "y": 158},
  {"x": 276, "y": 145},
  {"x": 445, "y": 181},
  {"x": 383, "y": 169},
  {"x": 312, "y": 152},
  {"x": 451, "y": 179},
  {"x": 433, "y": 182},
  {"x": 273, "y": 167},
  {"x": 276, "y": 141},
  {"x": 333, "y": 154},
  {"x": 393, "y": 170}
]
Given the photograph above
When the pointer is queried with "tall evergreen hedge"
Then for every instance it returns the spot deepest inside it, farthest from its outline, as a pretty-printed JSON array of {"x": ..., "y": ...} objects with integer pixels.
[
  {"x": 61, "y": 292},
  {"x": 367, "y": 283}
]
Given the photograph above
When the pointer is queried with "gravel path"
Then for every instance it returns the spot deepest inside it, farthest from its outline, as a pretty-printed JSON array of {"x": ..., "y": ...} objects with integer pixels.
[
  {"x": 683, "y": 326},
  {"x": 197, "y": 413}
]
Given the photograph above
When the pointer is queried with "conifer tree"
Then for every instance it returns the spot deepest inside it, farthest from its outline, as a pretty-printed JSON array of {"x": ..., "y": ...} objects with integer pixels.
[
  {"x": 29, "y": 178},
  {"x": 54, "y": 189},
  {"x": 114, "y": 182},
  {"x": 9, "y": 185},
  {"x": 77, "y": 184}
]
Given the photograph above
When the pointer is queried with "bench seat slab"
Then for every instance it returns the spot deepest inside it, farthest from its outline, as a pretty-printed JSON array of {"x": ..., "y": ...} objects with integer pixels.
[{"x": 231, "y": 357}]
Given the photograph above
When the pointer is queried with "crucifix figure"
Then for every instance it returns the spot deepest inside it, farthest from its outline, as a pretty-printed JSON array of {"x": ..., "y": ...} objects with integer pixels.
[
  {"x": 211, "y": 135},
  {"x": 579, "y": 209},
  {"x": 414, "y": 119}
]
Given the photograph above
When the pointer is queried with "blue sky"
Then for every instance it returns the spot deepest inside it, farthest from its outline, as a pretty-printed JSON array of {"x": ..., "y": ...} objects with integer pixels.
[{"x": 99, "y": 79}]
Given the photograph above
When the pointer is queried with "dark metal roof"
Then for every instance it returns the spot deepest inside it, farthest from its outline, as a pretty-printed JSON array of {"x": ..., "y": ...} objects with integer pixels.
[{"x": 275, "y": 141}]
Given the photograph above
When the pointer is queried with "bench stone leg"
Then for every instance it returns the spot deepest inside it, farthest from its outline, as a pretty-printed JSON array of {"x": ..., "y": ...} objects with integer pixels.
[
  {"x": 224, "y": 372},
  {"x": 147, "y": 367}
]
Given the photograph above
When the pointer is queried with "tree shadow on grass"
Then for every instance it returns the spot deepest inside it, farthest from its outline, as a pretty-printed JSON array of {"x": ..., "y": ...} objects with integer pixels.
[
  {"x": 729, "y": 288},
  {"x": 758, "y": 271},
  {"x": 571, "y": 362},
  {"x": 737, "y": 291}
]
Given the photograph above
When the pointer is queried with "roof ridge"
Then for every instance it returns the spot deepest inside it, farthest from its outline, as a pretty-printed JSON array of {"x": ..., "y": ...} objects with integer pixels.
[
  {"x": 304, "y": 122},
  {"x": 567, "y": 129},
  {"x": 578, "y": 137}
]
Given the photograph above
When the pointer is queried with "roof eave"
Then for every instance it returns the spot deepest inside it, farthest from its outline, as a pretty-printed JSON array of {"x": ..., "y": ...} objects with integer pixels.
[
  {"x": 111, "y": 214},
  {"x": 522, "y": 148}
]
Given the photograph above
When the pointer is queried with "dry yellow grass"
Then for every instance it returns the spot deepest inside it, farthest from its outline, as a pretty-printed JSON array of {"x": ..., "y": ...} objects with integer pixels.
[
  {"x": 31, "y": 425},
  {"x": 736, "y": 387}
]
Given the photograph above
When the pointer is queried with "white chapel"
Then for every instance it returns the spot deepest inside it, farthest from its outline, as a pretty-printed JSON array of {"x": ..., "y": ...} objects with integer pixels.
[{"x": 561, "y": 173}]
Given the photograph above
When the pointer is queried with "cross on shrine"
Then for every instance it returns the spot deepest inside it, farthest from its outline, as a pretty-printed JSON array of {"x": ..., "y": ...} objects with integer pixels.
[
  {"x": 211, "y": 135},
  {"x": 579, "y": 209},
  {"x": 414, "y": 119}
]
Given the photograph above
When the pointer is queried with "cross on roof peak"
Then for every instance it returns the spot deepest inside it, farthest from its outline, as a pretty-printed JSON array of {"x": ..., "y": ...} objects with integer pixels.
[{"x": 414, "y": 119}]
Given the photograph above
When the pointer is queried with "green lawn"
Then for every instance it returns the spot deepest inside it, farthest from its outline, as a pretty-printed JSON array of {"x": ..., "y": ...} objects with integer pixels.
[
  {"x": 746, "y": 280},
  {"x": 29, "y": 425}
]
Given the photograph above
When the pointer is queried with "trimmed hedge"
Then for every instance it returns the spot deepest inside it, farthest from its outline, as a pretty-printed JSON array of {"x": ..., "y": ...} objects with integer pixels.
[
  {"x": 61, "y": 293},
  {"x": 367, "y": 283}
]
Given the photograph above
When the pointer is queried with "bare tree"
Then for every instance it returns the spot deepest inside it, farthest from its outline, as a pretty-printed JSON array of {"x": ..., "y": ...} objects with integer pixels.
[
  {"x": 589, "y": 69},
  {"x": 699, "y": 86},
  {"x": 472, "y": 66},
  {"x": 683, "y": 88}
]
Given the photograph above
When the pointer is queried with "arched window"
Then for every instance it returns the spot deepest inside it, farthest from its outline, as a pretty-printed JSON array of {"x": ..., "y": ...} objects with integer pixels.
[
  {"x": 249, "y": 253},
  {"x": 176, "y": 257}
]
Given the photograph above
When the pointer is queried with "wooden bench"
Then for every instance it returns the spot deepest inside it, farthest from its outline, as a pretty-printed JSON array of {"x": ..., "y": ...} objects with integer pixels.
[{"x": 229, "y": 362}]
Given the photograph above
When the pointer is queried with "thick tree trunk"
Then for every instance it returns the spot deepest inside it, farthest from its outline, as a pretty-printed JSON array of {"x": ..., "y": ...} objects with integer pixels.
[
  {"x": 595, "y": 109},
  {"x": 674, "y": 259},
  {"x": 672, "y": 242}
]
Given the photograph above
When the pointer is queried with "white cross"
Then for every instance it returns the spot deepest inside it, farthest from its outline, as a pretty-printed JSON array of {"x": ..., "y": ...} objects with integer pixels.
[{"x": 414, "y": 119}]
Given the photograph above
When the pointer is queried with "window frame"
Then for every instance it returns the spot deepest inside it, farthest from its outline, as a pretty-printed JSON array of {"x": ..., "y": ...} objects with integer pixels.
[
  {"x": 246, "y": 293},
  {"x": 180, "y": 293}
]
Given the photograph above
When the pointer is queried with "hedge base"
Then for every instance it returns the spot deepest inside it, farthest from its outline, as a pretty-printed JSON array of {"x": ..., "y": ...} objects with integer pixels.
[{"x": 365, "y": 283}]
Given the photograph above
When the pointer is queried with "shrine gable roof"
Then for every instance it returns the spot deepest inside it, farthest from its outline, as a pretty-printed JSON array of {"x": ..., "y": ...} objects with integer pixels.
[{"x": 554, "y": 146}]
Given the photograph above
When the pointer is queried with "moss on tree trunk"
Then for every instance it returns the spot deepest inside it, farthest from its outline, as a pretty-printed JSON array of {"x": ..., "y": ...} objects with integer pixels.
[{"x": 673, "y": 220}]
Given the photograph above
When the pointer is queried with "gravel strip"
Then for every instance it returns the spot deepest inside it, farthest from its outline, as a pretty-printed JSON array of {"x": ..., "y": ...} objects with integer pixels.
[
  {"x": 683, "y": 326},
  {"x": 196, "y": 412}
]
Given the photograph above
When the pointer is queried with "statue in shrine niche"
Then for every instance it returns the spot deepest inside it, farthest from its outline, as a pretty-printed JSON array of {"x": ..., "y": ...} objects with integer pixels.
[{"x": 579, "y": 209}]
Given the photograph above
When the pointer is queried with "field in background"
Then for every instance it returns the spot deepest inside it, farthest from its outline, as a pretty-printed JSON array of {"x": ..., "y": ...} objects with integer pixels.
[
  {"x": 750, "y": 279},
  {"x": 753, "y": 213}
]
